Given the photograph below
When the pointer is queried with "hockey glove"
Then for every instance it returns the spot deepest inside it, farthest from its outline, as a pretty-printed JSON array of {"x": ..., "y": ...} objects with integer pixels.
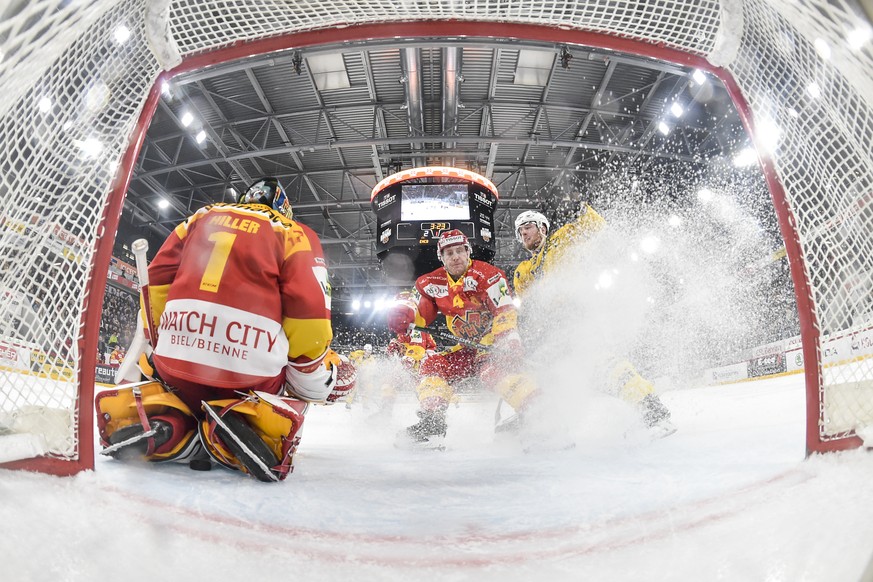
[
  {"x": 313, "y": 380},
  {"x": 395, "y": 348},
  {"x": 346, "y": 381},
  {"x": 401, "y": 317}
]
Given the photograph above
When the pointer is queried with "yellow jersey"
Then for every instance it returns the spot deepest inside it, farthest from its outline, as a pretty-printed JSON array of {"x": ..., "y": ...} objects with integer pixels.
[{"x": 555, "y": 246}]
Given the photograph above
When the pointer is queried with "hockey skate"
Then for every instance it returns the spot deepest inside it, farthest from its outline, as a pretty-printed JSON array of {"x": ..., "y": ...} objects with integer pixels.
[
  {"x": 506, "y": 424},
  {"x": 656, "y": 417},
  {"x": 428, "y": 433}
]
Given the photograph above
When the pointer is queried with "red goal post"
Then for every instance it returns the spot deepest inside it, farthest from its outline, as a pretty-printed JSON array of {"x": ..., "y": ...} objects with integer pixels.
[{"x": 81, "y": 83}]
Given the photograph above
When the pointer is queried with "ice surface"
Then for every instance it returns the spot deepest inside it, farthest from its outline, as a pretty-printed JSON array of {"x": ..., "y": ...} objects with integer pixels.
[{"x": 728, "y": 497}]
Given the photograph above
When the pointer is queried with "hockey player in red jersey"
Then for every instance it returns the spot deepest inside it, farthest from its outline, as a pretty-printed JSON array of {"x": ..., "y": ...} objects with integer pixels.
[
  {"x": 476, "y": 302},
  {"x": 239, "y": 300}
]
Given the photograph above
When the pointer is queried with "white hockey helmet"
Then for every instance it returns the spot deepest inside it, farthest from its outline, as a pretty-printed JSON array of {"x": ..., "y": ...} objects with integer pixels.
[
  {"x": 368, "y": 349},
  {"x": 530, "y": 216}
]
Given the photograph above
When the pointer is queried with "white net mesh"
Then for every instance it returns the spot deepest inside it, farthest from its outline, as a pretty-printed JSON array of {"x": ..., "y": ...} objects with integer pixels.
[
  {"x": 76, "y": 91},
  {"x": 800, "y": 74},
  {"x": 76, "y": 75}
]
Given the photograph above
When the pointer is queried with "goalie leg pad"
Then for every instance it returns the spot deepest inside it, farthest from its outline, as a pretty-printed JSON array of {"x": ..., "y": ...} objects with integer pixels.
[
  {"x": 266, "y": 428},
  {"x": 125, "y": 413},
  {"x": 173, "y": 439}
]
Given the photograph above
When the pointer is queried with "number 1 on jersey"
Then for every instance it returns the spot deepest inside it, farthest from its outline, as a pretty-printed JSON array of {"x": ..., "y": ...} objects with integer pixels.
[{"x": 223, "y": 242}]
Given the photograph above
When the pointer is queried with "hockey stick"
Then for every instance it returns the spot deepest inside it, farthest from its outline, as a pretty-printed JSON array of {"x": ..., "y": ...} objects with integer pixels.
[
  {"x": 140, "y": 247},
  {"x": 453, "y": 338},
  {"x": 139, "y": 344}
]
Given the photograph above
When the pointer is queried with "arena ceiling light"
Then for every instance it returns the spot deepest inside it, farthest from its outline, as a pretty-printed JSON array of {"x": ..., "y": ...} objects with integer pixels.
[
  {"x": 533, "y": 67},
  {"x": 747, "y": 157},
  {"x": 859, "y": 37},
  {"x": 121, "y": 34},
  {"x": 329, "y": 71}
]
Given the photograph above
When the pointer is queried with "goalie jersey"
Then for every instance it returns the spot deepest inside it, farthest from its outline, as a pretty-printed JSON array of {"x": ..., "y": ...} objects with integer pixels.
[{"x": 234, "y": 292}]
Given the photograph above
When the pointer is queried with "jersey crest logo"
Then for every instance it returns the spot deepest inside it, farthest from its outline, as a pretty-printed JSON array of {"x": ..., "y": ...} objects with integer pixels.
[{"x": 473, "y": 325}]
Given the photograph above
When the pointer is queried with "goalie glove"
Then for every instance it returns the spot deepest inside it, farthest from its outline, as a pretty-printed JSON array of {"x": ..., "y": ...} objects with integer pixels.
[
  {"x": 346, "y": 381},
  {"x": 313, "y": 380}
]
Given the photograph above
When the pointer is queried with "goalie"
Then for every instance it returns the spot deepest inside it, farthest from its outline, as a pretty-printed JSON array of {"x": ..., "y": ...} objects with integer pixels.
[{"x": 237, "y": 307}]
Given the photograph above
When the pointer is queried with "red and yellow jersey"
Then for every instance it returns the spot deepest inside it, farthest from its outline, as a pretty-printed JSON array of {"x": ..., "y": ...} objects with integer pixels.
[
  {"x": 555, "y": 246},
  {"x": 235, "y": 291},
  {"x": 117, "y": 355},
  {"x": 477, "y": 307}
]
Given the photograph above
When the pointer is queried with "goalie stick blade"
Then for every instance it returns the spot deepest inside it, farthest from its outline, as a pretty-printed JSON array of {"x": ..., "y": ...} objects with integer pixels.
[{"x": 247, "y": 446}]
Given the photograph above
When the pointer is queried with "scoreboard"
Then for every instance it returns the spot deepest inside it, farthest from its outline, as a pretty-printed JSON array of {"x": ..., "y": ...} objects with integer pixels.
[{"x": 414, "y": 207}]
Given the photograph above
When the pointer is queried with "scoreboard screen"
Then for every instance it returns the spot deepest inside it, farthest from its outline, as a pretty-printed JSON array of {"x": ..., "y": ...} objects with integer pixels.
[
  {"x": 434, "y": 202},
  {"x": 414, "y": 207}
]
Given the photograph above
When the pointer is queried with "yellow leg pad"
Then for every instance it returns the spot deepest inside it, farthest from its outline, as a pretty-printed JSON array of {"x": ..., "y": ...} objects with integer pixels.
[
  {"x": 271, "y": 417},
  {"x": 117, "y": 408},
  {"x": 434, "y": 387},
  {"x": 628, "y": 384},
  {"x": 515, "y": 389}
]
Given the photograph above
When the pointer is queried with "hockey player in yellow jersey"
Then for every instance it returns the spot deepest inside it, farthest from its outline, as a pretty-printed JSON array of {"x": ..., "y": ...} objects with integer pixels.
[
  {"x": 362, "y": 356},
  {"x": 546, "y": 252}
]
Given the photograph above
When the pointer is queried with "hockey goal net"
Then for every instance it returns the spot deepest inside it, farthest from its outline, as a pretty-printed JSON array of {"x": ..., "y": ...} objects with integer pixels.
[{"x": 81, "y": 81}]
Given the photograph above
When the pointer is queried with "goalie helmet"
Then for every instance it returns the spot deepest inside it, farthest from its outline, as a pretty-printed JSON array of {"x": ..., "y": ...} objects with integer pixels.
[
  {"x": 452, "y": 238},
  {"x": 530, "y": 216},
  {"x": 268, "y": 191}
]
